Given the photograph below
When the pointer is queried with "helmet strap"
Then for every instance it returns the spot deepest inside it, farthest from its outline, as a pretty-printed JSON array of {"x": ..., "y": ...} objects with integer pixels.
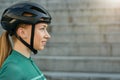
[
  {"x": 32, "y": 38},
  {"x": 31, "y": 45}
]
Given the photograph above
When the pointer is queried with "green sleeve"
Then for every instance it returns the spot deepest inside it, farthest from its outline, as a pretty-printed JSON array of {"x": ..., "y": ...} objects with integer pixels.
[{"x": 11, "y": 72}]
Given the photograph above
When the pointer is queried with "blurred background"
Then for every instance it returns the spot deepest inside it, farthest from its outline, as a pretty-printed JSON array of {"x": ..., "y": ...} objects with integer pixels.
[{"x": 85, "y": 43}]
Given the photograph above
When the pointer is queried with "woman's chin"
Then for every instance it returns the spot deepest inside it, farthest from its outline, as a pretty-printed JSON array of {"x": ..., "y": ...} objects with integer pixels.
[{"x": 41, "y": 48}]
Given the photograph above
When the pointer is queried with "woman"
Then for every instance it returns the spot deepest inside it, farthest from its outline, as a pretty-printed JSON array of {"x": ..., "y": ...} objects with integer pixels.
[{"x": 27, "y": 24}]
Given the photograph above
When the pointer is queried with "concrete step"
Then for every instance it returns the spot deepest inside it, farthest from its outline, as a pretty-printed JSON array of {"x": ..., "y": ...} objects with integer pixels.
[
  {"x": 80, "y": 4},
  {"x": 87, "y": 18},
  {"x": 81, "y": 76},
  {"x": 82, "y": 30},
  {"x": 81, "y": 49},
  {"x": 78, "y": 64},
  {"x": 81, "y": 38},
  {"x": 86, "y": 37}
]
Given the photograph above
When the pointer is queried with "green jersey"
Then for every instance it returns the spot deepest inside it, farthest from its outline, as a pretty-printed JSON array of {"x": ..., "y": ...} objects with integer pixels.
[{"x": 19, "y": 67}]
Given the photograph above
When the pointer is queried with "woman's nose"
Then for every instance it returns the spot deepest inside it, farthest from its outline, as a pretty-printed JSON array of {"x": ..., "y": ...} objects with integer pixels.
[{"x": 47, "y": 35}]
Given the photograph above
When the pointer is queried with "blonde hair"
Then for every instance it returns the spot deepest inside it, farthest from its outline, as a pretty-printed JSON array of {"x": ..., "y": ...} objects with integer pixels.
[{"x": 5, "y": 47}]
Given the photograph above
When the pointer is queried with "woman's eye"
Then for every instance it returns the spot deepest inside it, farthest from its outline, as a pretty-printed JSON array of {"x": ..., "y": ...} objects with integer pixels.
[{"x": 42, "y": 28}]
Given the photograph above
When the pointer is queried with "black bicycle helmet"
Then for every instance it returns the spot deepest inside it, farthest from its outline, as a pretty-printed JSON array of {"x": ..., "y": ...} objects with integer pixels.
[{"x": 14, "y": 15}]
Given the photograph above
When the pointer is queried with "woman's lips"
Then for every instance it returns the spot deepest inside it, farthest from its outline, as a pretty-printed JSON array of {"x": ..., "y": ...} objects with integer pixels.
[{"x": 44, "y": 42}]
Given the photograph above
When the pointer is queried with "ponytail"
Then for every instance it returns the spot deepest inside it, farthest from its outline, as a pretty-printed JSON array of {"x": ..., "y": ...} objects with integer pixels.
[{"x": 5, "y": 47}]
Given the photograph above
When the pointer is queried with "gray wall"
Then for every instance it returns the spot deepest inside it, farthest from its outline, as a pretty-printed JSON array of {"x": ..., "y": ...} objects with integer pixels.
[{"x": 85, "y": 43}]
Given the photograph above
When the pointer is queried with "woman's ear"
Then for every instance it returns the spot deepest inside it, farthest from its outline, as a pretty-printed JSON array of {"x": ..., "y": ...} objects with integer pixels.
[{"x": 22, "y": 32}]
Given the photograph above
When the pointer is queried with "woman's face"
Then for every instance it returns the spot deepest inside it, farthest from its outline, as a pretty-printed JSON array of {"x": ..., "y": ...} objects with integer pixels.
[{"x": 41, "y": 36}]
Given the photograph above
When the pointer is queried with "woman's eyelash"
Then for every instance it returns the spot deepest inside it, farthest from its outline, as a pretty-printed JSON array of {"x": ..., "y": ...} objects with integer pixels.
[{"x": 42, "y": 28}]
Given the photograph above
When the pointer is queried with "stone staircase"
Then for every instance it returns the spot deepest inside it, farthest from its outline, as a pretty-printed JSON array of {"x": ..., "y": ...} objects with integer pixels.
[{"x": 85, "y": 43}]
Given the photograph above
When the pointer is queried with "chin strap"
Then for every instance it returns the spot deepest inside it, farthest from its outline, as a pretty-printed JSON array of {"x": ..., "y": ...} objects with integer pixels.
[{"x": 31, "y": 45}]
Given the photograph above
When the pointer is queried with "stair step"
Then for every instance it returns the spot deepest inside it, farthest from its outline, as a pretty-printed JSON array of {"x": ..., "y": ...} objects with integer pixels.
[
  {"x": 77, "y": 58},
  {"x": 82, "y": 75},
  {"x": 78, "y": 64},
  {"x": 81, "y": 49}
]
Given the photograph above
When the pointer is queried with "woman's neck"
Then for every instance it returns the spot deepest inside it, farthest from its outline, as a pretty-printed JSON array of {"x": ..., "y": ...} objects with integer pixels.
[{"x": 20, "y": 47}]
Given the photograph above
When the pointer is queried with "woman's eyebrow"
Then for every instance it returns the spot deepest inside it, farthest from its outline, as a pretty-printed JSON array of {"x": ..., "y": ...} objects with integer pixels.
[{"x": 45, "y": 26}]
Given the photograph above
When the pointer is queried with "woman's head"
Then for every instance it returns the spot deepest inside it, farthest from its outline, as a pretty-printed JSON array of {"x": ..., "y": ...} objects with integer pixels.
[{"x": 24, "y": 13}]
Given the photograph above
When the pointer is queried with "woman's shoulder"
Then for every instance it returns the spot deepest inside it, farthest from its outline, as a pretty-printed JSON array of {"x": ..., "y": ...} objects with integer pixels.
[
  {"x": 9, "y": 61},
  {"x": 12, "y": 59},
  {"x": 10, "y": 64},
  {"x": 10, "y": 67},
  {"x": 11, "y": 71}
]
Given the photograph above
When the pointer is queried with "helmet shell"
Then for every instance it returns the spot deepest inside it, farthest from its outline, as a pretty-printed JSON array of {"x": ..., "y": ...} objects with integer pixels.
[{"x": 14, "y": 15}]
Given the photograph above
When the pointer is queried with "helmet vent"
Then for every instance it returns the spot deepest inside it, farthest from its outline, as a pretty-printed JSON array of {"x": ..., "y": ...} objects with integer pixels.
[
  {"x": 6, "y": 18},
  {"x": 37, "y": 9},
  {"x": 27, "y": 14},
  {"x": 12, "y": 21}
]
